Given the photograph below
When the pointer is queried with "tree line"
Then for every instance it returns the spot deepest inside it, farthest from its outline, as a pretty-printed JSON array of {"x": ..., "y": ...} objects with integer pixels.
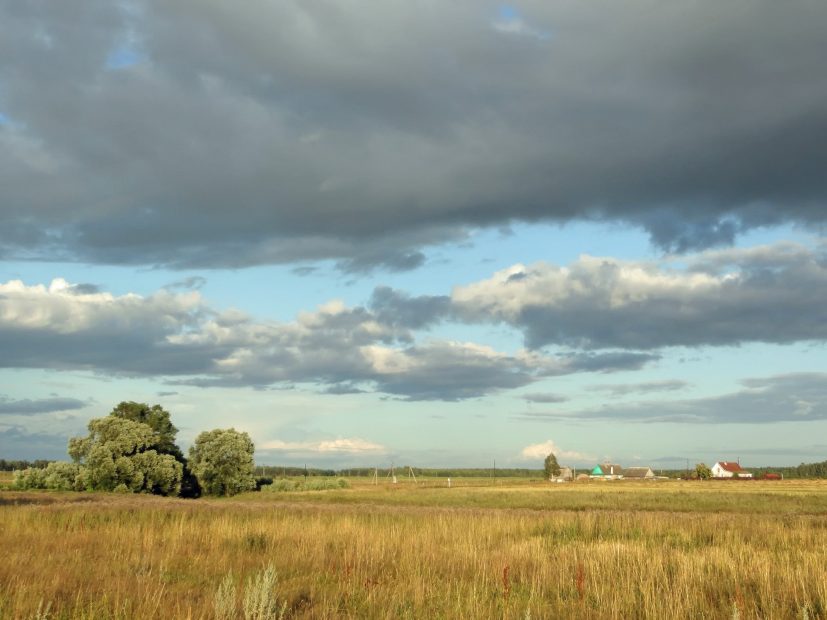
[
  {"x": 15, "y": 464},
  {"x": 133, "y": 450}
]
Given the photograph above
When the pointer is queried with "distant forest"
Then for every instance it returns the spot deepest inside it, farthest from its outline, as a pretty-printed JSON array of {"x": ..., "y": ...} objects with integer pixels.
[
  {"x": 805, "y": 470},
  {"x": 400, "y": 472}
]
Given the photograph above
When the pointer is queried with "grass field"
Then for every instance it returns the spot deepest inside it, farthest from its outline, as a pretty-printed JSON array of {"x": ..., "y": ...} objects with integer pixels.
[{"x": 499, "y": 549}]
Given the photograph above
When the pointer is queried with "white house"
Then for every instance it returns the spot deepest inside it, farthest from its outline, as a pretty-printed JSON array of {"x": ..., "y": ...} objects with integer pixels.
[{"x": 728, "y": 469}]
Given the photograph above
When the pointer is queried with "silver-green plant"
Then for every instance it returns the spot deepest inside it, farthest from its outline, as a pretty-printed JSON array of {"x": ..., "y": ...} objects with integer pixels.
[
  {"x": 225, "y": 602},
  {"x": 260, "y": 597}
]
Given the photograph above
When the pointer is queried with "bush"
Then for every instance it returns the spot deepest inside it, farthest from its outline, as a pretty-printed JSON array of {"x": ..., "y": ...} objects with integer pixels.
[
  {"x": 30, "y": 478},
  {"x": 57, "y": 476},
  {"x": 312, "y": 484},
  {"x": 282, "y": 485},
  {"x": 63, "y": 476},
  {"x": 263, "y": 481},
  {"x": 260, "y": 597},
  {"x": 225, "y": 602}
]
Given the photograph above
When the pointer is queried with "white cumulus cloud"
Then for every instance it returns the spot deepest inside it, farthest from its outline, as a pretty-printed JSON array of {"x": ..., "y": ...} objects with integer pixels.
[
  {"x": 542, "y": 450},
  {"x": 327, "y": 446}
]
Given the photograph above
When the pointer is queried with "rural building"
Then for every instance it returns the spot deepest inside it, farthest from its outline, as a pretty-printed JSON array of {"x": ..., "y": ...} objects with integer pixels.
[
  {"x": 728, "y": 469},
  {"x": 607, "y": 471},
  {"x": 566, "y": 475},
  {"x": 638, "y": 473}
]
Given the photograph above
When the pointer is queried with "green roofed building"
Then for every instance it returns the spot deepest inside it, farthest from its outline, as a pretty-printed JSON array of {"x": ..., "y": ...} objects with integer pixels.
[{"x": 607, "y": 471}]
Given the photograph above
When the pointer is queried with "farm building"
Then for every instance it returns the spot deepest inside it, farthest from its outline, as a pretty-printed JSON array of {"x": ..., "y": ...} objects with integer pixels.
[
  {"x": 566, "y": 474},
  {"x": 607, "y": 471},
  {"x": 729, "y": 469},
  {"x": 638, "y": 473}
]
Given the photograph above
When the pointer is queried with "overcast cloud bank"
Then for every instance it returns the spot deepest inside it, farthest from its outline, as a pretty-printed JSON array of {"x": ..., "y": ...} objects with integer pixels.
[{"x": 202, "y": 134}]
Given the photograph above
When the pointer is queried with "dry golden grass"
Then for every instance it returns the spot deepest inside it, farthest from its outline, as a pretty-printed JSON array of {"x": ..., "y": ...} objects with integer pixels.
[{"x": 610, "y": 550}]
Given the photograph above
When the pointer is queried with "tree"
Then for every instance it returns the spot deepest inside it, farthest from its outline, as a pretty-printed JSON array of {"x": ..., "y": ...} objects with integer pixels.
[
  {"x": 702, "y": 472},
  {"x": 123, "y": 454},
  {"x": 158, "y": 419},
  {"x": 222, "y": 461},
  {"x": 551, "y": 467}
]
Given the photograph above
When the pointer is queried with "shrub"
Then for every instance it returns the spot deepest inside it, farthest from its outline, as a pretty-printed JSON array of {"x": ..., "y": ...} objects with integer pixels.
[
  {"x": 29, "y": 478},
  {"x": 260, "y": 600},
  {"x": 282, "y": 485},
  {"x": 58, "y": 476},
  {"x": 225, "y": 602},
  {"x": 313, "y": 484},
  {"x": 63, "y": 476}
]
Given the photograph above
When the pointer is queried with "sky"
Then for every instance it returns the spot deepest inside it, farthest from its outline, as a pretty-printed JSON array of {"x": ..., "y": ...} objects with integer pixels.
[{"x": 437, "y": 234}]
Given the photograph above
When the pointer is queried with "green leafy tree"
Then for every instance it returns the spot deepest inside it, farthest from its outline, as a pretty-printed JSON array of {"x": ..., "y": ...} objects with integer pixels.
[
  {"x": 551, "y": 467},
  {"x": 158, "y": 419},
  {"x": 222, "y": 460},
  {"x": 702, "y": 472},
  {"x": 123, "y": 454}
]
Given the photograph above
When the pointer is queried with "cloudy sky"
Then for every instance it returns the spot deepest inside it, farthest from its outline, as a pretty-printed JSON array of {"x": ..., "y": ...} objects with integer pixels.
[{"x": 436, "y": 233}]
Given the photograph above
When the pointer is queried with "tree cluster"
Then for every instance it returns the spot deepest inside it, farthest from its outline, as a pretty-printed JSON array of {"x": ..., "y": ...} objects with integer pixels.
[
  {"x": 133, "y": 450},
  {"x": 15, "y": 464}
]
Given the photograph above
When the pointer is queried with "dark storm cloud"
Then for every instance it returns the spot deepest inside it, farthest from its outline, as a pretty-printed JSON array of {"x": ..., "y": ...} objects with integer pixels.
[
  {"x": 28, "y": 406},
  {"x": 207, "y": 134},
  {"x": 798, "y": 397}
]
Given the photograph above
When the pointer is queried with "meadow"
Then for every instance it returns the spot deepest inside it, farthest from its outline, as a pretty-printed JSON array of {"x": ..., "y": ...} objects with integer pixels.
[{"x": 480, "y": 549}]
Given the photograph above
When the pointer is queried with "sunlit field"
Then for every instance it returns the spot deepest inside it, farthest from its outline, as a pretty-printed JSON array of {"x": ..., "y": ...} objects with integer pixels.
[{"x": 480, "y": 549}]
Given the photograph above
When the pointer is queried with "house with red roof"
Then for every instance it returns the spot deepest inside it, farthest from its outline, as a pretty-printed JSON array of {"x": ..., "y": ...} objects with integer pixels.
[{"x": 729, "y": 469}]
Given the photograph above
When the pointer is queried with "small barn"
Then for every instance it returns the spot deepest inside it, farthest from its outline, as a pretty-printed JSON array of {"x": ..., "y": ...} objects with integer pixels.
[
  {"x": 638, "y": 473},
  {"x": 729, "y": 469},
  {"x": 607, "y": 471},
  {"x": 566, "y": 474}
]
